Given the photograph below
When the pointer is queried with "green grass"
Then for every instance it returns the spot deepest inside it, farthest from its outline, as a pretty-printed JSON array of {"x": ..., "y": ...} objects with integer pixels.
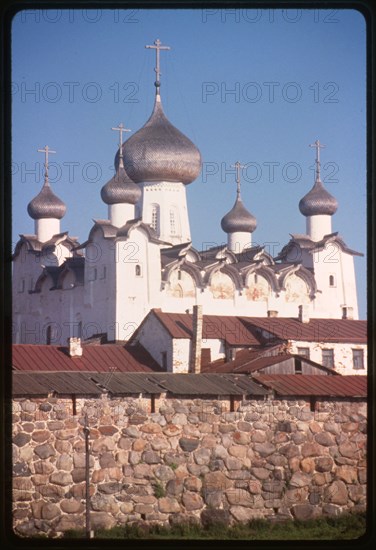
[{"x": 345, "y": 527}]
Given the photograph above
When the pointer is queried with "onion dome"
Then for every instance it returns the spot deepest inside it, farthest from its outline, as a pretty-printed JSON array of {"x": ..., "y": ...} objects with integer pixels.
[
  {"x": 46, "y": 204},
  {"x": 160, "y": 152},
  {"x": 318, "y": 201},
  {"x": 120, "y": 189},
  {"x": 238, "y": 219}
]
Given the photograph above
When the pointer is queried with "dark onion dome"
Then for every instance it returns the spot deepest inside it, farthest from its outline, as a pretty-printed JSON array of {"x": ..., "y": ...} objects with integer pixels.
[
  {"x": 46, "y": 204},
  {"x": 160, "y": 152},
  {"x": 318, "y": 201},
  {"x": 238, "y": 219},
  {"x": 120, "y": 189}
]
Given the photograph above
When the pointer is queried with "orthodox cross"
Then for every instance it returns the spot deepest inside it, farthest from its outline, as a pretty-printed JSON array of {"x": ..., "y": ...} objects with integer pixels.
[
  {"x": 317, "y": 145},
  {"x": 121, "y": 128},
  {"x": 158, "y": 47},
  {"x": 46, "y": 152},
  {"x": 238, "y": 167}
]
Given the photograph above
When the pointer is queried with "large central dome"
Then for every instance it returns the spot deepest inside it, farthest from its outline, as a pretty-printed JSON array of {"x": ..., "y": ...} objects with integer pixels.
[{"x": 160, "y": 152}]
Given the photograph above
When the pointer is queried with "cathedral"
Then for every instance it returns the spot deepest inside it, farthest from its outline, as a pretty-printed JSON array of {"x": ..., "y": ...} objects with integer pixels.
[{"x": 141, "y": 258}]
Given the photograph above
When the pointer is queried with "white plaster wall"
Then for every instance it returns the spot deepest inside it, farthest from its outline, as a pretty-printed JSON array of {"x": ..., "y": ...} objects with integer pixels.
[
  {"x": 155, "y": 339},
  {"x": 343, "y": 357},
  {"x": 166, "y": 195}
]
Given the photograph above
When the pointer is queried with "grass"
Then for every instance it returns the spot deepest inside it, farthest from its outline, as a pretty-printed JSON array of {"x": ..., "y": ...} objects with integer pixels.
[{"x": 345, "y": 527}]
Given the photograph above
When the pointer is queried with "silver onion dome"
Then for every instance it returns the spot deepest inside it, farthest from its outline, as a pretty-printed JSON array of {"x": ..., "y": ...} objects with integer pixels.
[
  {"x": 318, "y": 201},
  {"x": 160, "y": 152},
  {"x": 238, "y": 219},
  {"x": 46, "y": 204},
  {"x": 120, "y": 189}
]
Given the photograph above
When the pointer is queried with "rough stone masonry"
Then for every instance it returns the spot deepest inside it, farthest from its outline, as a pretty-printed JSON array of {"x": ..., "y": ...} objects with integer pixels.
[{"x": 190, "y": 461}]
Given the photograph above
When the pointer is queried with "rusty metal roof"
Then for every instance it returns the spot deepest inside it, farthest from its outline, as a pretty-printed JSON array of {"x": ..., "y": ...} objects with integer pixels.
[
  {"x": 223, "y": 327},
  {"x": 37, "y": 383},
  {"x": 125, "y": 383},
  {"x": 102, "y": 358},
  {"x": 316, "y": 330},
  {"x": 248, "y": 361},
  {"x": 324, "y": 386}
]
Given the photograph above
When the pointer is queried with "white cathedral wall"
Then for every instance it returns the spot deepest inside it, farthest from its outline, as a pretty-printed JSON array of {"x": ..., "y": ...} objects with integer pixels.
[
  {"x": 333, "y": 262},
  {"x": 168, "y": 196},
  {"x": 136, "y": 291},
  {"x": 98, "y": 307},
  {"x": 343, "y": 356}
]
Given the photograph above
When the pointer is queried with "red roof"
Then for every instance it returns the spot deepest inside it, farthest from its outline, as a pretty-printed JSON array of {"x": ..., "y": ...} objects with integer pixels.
[
  {"x": 252, "y": 331},
  {"x": 101, "y": 358},
  {"x": 247, "y": 361},
  {"x": 326, "y": 386},
  {"x": 222, "y": 327},
  {"x": 316, "y": 330}
]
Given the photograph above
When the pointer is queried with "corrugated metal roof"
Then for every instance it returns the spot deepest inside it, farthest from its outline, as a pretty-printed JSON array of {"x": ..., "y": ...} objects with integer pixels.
[
  {"x": 316, "y": 330},
  {"x": 37, "y": 383},
  {"x": 324, "y": 386},
  {"x": 120, "y": 383},
  {"x": 223, "y": 327},
  {"x": 248, "y": 361},
  {"x": 103, "y": 358}
]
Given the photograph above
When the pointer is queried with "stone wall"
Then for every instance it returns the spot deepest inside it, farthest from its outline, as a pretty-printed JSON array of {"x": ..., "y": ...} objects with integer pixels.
[{"x": 190, "y": 460}]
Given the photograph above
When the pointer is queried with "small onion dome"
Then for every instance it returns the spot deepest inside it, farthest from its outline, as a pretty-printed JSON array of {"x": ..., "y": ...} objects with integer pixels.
[
  {"x": 46, "y": 205},
  {"x": 318, "y": 201},
  {"x": 120, "y": 189},
  {"x": 160, "y": 152},
  {"x": 238, "y": 219}
]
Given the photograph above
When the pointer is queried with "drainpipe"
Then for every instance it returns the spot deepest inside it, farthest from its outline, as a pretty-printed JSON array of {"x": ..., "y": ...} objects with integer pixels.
[{"x": 195, "y": 364}]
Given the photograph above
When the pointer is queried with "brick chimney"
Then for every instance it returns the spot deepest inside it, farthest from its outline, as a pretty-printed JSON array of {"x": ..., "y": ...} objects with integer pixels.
[
  {"x": 347, "y": 312},
  {"x": 195, "y": 363},
  {"x": 272, "y": 313},
  {"x": 304, "y": 313},
  {"x": 74, "y": 347}
]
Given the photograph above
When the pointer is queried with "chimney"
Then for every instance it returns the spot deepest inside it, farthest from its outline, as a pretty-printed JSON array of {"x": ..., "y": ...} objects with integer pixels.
[
  {"x": 74, "y": 347},
  {"x": 347, "y": 312},
  {"x": 272, "y": 313},
  {"x": 195, "y": 363},
  {"x": 304, "y": 313}
]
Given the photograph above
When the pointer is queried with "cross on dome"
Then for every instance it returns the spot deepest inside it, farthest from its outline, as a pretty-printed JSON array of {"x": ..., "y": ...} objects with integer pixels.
[
  {"x": 46, "y": 152},
  {"x": 317, "y": 145},
  {"x": 121, "y": 128},
  {"x": 238, "y": 167},
  {"x": 157, "y": 47}
]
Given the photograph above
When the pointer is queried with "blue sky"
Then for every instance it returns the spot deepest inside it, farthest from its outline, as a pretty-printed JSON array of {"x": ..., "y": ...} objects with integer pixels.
[{"x": 257, "y": 86}]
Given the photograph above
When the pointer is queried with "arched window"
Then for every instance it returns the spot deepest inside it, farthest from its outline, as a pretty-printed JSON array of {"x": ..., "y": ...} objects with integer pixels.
[
  {"x": 155, "y": 217},
  {"x": 138, "y": 270},
  {"x": 331, "y": 280}
]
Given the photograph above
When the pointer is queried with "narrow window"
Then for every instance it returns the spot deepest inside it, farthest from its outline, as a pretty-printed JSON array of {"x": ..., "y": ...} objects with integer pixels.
[
  {"x": 48, "y": 335},
  {"x": 331, "y": 280},
  {"x": 328, "y": 358},
  {"x": 155, "y": 217},
  {"x": 164, "y": 360},
  {"x": 172, "y": 222},
  {"x": 358, "y": 359},
  {"x": 21, "y": 286},
  {"x": 298, "y": 366},
  {"x": 304, "y": 352},
  {"x": 79, "y": 330},
  {"x": 138, "y": 270},
  {"x": 179, "y": 275}
]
